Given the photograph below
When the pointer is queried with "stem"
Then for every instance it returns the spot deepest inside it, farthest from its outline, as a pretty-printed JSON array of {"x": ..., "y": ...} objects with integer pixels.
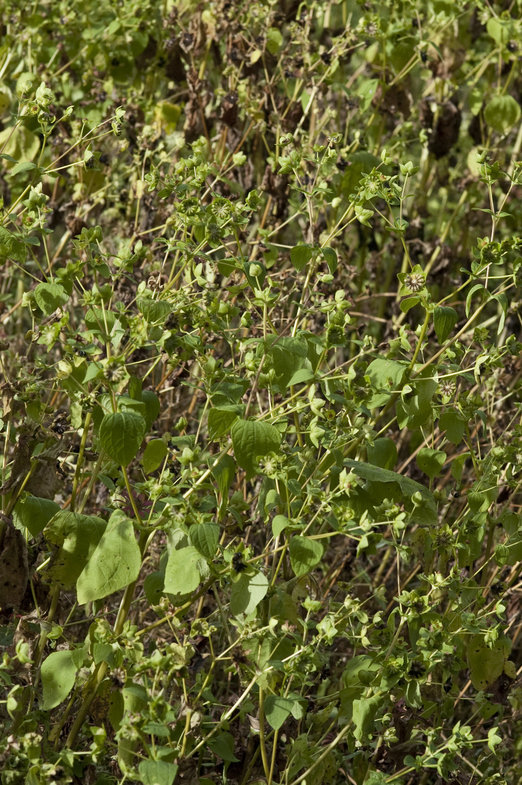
[{"x": 262, "y": 741}]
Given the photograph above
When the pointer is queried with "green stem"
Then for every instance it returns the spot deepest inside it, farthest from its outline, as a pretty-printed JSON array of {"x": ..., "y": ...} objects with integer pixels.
[{"x": 262, "y": 739}]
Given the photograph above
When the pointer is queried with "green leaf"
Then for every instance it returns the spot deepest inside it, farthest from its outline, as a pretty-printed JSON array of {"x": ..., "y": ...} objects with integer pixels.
[
  {"x": 409, "y": 302},
  {"x": 224, "y": 474},
  {"x": 444, "y": 320},
  {"x": 289, "y": 355},
  {"x": 301, "y": 376},
  {"x": 205, "y": 537},
  {"x": 49, "y": 297},
  {"x": 274, "y": 40},
  {"x": 386, "y": 377},
  {"x": 484, "y": 294},
  {"x": 182, "y": 574},
  {"x": 502, "y": 113},
  {"x": 223, "y": 745},
  {"x": 374, "y": 474},
  {"x": 493, "y": 738},
  {"x": 305, "y": 554},
  {"x": 34, "y": 513},
  {"x": 221, "y": 418},
  {"x": 486, "y": 664},
  {"x": 510, "y": 552},
  {"x": 277, "y": 710},
  {"x": 247, "y": 592},
  {"x": 157, "y": 772},
  {"x": 379, "y": 778},
  {"x": 331, "y": 258},
  {"x": 360, "y": 671},
  {"x": 121, "y": 435},
  {"x": 152, "y": 406},
  {"x": 360, "y": 163},
  {"x": 383, "y": 452},
  {"x": 279, "y": 524},
  {"x": 251, "y": 440},
  {"x": 101, "y": 321},
  {"x": 154, "y": 454},
  {"x": 58, "y": 674},
  {"x": 24, "y": 166},
  {"x": 430, "y": 461},
  {"x": 366, "y": 92},
  {"x": 11, "y": 247},
  {"x": 77, "y": 537},
  {"x": 498, "y": 30},
  {"x": 364, "y": 711},
  {"x": 154, "y": 311},
  {"x": 115, "y": 563},
  {"x": 453, "y": 425},
  {"x": 300, "y": 255}
]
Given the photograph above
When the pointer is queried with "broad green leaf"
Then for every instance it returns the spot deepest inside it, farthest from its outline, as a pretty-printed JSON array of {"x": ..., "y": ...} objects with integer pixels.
[
  {"x": 289, "y": 355},
  {"x": 154, "y": 454},
  {"x": 386, "y": 377},
  {"x": 305, "y": 554},
  {"x": 383, "y": 452},
  {"x": 152, "y": 406},
  {"x": 247, "y": 592},
  {"x": 416, "y": 410},
  {"x": 453, "y": 425},
  {"x": 77, "y": 537},
  {"x": 167, "y": 115},
  {"x": 182, "y": 574},
  {"x": 277, "y": 710},
  {"x": 364, "y": 711},
  {"x": 300, "y": 377},
  {"x": 444, "y": 319},
  {"x": 224, "y": 473},
  {"x": 484, "y": 294},
  {"x": 251, "y": 440},
  {"x": 101, "y": 321},
  {"x": 428, "y": 511},
  {"x": 223, "y": 745},
  {"x": 49, "y": 297},
  {"x": 379, "y": 778},
  {"x": 502, "y": 113},
  {"x": 58, "y": 674},
  {"x": 34, "y": 513},
  {"x": 430, "y": 461},
  {"x": 366, "y": 92},
  {"x": 486, "y": 664},
  {"x": 300, "y": 255},
  {"x": 127, "y": 404},
  {"x": 115, "y": 563},
  {"x": 205, "y": 537},
  {"x": 20, "y": 143},
  {"x": 153, "y": 311},
  {"x": 121, "y": 435},
  {"x": 409, "y": 302},
  {"x": 24, "y": 166},
  {"x": 274, "y": 40},
  {"x": 279, "y": 524},
  {"x": 499, "y": 31},
  {"x": 157, "y": 772},
  {"x": 360, "y": 163},
  {"x": 510, "y": 552},
  {"x": 220, "y": 420},
  {"x": 493, "y": 738},
  {"x": 360, "y": 671},
  {"x": 331, "y": 258}
]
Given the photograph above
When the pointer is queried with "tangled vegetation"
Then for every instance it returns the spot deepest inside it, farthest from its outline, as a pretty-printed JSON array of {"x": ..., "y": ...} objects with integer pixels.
[{"x": 260, "y": 336}]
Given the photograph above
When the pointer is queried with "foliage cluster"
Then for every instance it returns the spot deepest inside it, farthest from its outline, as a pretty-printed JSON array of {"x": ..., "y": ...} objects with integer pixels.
[{"x": 260, "y": 413}]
